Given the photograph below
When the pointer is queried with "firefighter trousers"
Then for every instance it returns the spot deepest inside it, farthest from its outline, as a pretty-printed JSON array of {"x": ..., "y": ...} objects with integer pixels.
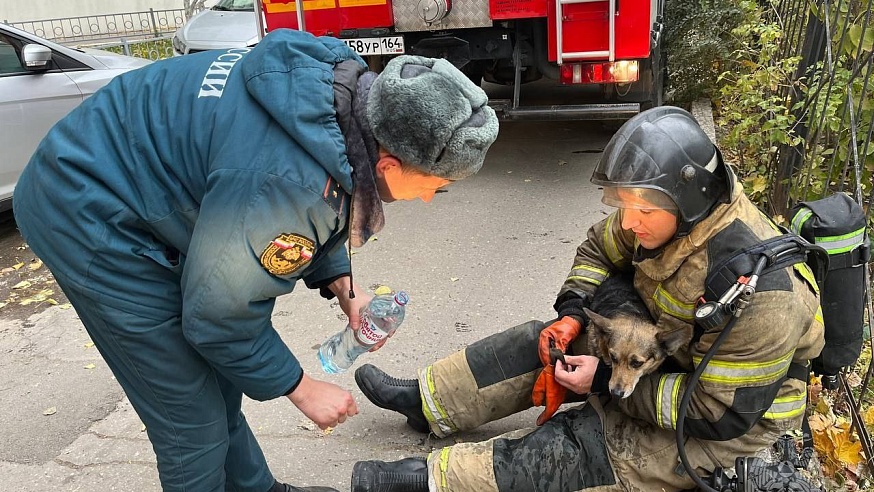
[{"x": 592, "y": 447}]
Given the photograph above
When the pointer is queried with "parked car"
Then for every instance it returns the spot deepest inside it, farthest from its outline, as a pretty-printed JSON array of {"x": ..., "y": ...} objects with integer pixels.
[
  {"x": 228, "y": 24},
  {"x": 40, "y": 82}
]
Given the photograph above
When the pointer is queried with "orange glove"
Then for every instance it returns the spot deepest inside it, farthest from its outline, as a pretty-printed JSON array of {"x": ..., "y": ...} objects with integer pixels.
[
  {"x": 547, "y": 392},
  {"x": 562, "y": 332}
]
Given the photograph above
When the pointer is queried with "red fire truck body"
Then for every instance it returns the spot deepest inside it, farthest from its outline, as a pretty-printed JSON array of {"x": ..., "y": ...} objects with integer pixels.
[{"x": 612, "y": 43}]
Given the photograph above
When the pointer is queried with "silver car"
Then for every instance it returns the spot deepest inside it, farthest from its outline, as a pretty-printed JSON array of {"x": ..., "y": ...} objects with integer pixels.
[
  {"x": 40, "y": 82},
  {"x": 228, "y": 24}
]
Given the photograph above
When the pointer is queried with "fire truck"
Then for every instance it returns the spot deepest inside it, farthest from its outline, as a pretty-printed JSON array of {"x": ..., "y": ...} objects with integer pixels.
[{"x": 611, "y": 46}]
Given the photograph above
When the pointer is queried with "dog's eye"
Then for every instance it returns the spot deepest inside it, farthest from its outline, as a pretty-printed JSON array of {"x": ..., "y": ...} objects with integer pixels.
[
  {"x": 614, "y": 359},
  {"x": 636, "y": 364}
]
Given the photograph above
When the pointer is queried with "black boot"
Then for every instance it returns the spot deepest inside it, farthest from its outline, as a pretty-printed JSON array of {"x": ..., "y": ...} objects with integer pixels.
[
  {"x": 406, "y": 475},
  {"x": 399, "y": 395},
  {"x": 284, "y": 487}
]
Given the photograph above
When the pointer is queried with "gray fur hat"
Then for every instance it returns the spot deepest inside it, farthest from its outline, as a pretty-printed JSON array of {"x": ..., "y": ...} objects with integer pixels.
[{"x": 428, "y": 114}]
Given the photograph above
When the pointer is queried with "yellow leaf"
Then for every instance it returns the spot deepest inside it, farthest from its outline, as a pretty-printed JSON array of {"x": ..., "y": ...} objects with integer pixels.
[
  {"x": 760, "y": 184},
  {"x": 90, "y": 366},
  {"x": 18, "y": 265},
  {"x": 823, "y": 407},
  {"x": 868, "y": 416},
  {"x": 89, "y": 344},
  {"x": 21, "y": 285},
  {"x": 847, "y": 451},
  {"x": 65, "y": 305},
  {"x": 3, "y": 304},
  {"x": 52, "y": 301},
  {"x": 35, "y": 265},
  {"x": 50, "y": 411},
  {"x": 382, "y": 290}
]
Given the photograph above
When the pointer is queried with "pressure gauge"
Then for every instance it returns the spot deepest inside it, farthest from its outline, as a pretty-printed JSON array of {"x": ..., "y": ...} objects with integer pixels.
[{"x": 710, "y": 315}]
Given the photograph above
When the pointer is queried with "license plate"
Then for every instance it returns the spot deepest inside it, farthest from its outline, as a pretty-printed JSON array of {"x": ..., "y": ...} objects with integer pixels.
[{"x": 389, "y": 45}]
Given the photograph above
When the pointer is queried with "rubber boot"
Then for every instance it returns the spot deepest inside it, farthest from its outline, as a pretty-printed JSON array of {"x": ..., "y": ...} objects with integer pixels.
[
  {"x": 398, "y": 395},
  {"x": 284, "y": 487},
  {"x": 406, "y": 475}
]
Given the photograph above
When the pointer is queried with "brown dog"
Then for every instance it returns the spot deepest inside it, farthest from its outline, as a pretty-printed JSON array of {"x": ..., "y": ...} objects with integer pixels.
[{"x": 623, "y": 334}]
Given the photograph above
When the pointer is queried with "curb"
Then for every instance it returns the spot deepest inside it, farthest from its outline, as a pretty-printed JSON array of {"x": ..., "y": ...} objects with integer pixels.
[{"x": 702, "y": 111}]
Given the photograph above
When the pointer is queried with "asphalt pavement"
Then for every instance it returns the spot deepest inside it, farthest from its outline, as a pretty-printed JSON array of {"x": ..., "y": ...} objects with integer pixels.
[{"x": 487, "y": 255}]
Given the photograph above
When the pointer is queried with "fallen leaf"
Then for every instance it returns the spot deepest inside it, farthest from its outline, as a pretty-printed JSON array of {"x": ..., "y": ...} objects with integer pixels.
[
  {"x": 35, "y": 265},
  {"x": 21, "y": 285},
  {"x": 453, "y": 279},
  {"x": 7, "y": 270},
  {"x": 65, "y": 305},
  {"x": 868, "y": 416},
  {"x": 90, "y": 366},
  {"x": 143, "y": 428},
  {"x": 18, "y": 265},
  {"x": 382, "y": 290},
  {"x": 373, "y": 238},
  {"x": 50, "y": 411},
  {"x": 89, "y": 344},
  {"x": 3, "y": 304},
  {"x": 561, "y": 162},
  {"x": 527, "y": 180}
]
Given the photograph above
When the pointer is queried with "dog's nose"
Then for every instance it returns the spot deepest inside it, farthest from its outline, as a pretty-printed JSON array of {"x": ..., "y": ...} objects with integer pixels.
[{"x": 619, "y": 393}]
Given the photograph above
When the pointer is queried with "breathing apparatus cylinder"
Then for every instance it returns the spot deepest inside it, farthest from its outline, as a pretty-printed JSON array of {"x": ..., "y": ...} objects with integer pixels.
[{"x": 837, "y": 223}]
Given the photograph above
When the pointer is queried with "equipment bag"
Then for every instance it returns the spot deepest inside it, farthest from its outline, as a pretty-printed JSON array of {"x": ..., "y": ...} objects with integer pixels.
[{"x": 837, "y": 223}]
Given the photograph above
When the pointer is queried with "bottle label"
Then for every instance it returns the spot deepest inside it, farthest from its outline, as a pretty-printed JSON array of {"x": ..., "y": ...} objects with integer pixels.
[{"x": 369, "y": 333}]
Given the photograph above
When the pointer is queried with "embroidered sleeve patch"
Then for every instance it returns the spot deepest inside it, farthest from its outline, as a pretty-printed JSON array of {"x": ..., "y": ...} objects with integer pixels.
[{"x": 287, "y": 254}]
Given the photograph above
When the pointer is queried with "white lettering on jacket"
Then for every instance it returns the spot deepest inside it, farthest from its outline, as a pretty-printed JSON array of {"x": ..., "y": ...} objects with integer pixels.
[{"x": 218, "y": 72}]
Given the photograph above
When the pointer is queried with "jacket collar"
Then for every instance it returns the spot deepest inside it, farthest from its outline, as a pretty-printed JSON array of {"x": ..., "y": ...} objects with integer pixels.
[{"x": 663, "y": 265}]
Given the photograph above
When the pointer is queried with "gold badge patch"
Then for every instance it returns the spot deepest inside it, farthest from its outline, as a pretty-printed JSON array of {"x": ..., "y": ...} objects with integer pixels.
[{"x": 287, "y": 254}]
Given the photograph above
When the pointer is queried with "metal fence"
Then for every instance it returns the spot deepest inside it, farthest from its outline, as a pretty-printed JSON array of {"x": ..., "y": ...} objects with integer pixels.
[
  {"x": 831, "y": 99},
  {"x": 144, "y": 34}
]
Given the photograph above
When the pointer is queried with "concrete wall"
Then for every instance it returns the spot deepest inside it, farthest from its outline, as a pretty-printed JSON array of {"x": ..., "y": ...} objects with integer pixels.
[{"x": 26, "y": 10}]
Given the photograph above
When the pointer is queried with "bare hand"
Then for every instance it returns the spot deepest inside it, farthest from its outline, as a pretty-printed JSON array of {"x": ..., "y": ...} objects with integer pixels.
[
  {"x": 353, "y": 307},
  {"x": 326, "y": 404},
  {"x": 577, "y": 374}
]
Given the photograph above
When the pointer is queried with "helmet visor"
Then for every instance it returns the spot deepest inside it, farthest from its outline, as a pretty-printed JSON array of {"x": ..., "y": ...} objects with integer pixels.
[{"x": 638, "y": 199}]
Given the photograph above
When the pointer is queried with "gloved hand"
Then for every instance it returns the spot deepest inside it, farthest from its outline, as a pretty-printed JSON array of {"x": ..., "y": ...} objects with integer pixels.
[
  {"x": 547, "y": 392},
  {"x": 562, "y": 333}
]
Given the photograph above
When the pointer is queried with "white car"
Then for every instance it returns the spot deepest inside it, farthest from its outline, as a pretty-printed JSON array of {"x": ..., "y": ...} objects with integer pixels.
[
  {"x": 228, "y": 24},
  {"x": 40, "y": 82}
]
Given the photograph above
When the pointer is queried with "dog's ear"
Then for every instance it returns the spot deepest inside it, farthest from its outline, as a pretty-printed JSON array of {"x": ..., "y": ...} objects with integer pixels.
[
  {"x": 599, "y": 322},
  {"x": 671, "y": 341}
]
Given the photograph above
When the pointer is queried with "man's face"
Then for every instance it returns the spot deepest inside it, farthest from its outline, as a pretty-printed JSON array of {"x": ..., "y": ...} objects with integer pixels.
[
  {"x": 395, "y": 183},
  {"x": 654, "y": 227}
]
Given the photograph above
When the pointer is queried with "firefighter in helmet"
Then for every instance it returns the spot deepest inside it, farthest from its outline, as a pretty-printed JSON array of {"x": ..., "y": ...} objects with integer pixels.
[
  {"x": 177, "y": 203},
  {"x": 680, "y": 212}
]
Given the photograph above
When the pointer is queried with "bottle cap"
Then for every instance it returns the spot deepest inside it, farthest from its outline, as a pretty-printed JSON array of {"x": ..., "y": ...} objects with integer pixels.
[
  {"x": 382, "y": 290},
  {"x": 402, "y": 298}
]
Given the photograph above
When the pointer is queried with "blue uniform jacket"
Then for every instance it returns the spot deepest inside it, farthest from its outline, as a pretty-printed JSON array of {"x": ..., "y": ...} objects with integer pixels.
[{"x": 228, "y": 170}]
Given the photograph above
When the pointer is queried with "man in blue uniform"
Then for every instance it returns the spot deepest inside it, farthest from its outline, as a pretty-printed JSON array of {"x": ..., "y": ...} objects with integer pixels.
[{"x": 178, "y": 202}]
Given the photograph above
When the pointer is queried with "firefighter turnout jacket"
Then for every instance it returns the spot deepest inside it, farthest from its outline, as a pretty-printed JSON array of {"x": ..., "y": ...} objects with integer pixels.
[{"x": 746, "y": 379}]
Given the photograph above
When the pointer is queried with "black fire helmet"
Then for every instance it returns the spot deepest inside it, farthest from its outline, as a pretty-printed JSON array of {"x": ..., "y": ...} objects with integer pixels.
[{"x": 664, "y": 157}]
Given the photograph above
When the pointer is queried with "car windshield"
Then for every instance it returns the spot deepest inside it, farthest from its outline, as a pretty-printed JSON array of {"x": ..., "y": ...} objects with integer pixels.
[{"x": 235, "y": 5}]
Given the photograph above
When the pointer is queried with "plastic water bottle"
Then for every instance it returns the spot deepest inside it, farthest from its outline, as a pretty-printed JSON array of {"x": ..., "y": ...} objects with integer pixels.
[{"x": 379, "y": 319}]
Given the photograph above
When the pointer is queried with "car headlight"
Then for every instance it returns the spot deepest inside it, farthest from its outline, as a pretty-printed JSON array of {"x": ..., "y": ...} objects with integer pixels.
[{"x": 178, "y": 45}]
